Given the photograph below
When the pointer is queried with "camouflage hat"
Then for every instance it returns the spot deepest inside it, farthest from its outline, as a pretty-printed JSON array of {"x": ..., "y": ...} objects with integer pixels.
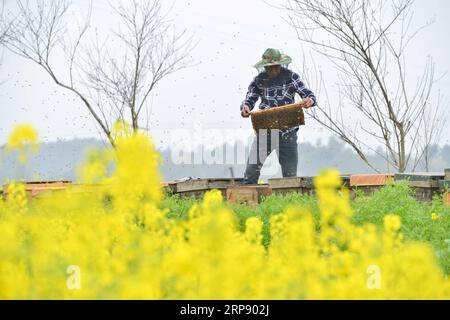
[{"x": 273, "y": 57}]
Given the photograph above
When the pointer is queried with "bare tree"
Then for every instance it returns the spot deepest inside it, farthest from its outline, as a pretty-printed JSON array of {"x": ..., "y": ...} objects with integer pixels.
[
  {"x": 4, "y": 28},
  {"x": 367, "y": 42},
  {"x": 113, "y": 78},
  {"x": 432, "y": 130}
]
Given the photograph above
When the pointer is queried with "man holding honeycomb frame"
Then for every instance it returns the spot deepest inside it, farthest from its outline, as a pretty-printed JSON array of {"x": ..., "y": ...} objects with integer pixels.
[{"x": 276, "y": 86}]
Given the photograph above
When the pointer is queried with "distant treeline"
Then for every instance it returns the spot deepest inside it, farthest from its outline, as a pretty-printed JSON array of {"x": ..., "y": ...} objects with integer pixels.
[{"x": 59, "y": 160}]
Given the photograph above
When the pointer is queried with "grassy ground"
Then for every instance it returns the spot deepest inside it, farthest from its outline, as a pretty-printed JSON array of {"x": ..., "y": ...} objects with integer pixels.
[{"x": 417, "y": 222}]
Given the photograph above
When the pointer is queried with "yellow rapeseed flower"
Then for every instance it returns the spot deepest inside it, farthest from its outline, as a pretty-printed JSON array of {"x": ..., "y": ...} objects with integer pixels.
[
  {"x": 392, "y": 222},
  {"x": 328, "y": 179},
  {"x": 116, "y": 241},
  {"x": 24, "y": 140}
]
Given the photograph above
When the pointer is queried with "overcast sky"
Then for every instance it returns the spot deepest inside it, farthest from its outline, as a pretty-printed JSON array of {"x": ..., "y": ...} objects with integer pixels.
[{"x": 232, "y": 35}]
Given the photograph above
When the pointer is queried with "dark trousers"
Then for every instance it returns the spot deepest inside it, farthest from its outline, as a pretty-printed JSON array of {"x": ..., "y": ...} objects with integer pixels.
[{"x": 265, "y": 142}]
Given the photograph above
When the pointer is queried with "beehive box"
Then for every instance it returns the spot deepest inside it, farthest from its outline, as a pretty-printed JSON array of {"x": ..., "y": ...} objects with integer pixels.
[
  {"x": 198, "y": 187},
  {"x": 287, "y": 185},
  {"x": 425, "y": 185},
  {"x": 368, "y": 183},
  {"x": 367, "y": 180},
  {"x": 93, "y": 188},
  {"x": 249, "y": 195},
  {"x": 444, "y": 188},
  {"x": 308, "y": 186},
  {"x": 282, "y": 186},
  {"x": 303, "y": 185},
  {"x": 446, "y": 198},
  {"x": 447, "y": 174},
  {"x": 444, "y": 185},
  {"x": 288, "y": 116},
  {"x": 169, "y": 187},
  {"x": 37, "y": 188}
]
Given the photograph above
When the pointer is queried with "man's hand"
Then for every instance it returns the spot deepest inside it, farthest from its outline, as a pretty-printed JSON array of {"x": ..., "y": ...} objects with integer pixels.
[
  {"x": 307, "y": 103},
  {"x": 245, "y": 113}
]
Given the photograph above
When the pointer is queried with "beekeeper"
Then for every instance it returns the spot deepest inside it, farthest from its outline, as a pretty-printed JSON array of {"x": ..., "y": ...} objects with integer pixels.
[{"x": 276, "y": 86}]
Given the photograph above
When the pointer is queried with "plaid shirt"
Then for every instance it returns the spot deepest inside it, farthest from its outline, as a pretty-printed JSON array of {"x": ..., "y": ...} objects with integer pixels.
[{"x": 276, "y": 92}]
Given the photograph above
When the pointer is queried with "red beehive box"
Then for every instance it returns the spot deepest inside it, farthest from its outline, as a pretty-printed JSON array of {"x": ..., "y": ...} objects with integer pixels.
[{"x": 364, "y": 180}]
